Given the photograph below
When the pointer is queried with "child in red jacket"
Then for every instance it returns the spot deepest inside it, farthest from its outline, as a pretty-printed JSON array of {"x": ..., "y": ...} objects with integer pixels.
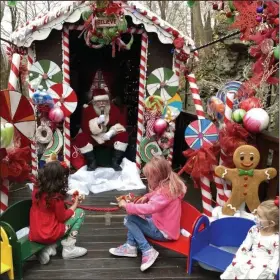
[{"x": 49, "y": 219}]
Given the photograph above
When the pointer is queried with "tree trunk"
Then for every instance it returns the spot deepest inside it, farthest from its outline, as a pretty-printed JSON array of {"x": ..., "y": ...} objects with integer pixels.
[{"x": 163, "y": 5}]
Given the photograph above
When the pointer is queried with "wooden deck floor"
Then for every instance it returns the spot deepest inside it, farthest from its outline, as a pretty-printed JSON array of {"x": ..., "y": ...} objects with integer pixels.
[{"x": 98, "y": 263}]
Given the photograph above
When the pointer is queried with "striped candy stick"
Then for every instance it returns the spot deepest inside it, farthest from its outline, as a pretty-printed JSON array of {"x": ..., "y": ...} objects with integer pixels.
[
  {"x": 14, "y": 72},
  {"x": 196, "y": 97},
  {"x": 141, "y": 96},
  {"x": 227, "y": 119},
  {"x": 34, "y": 158},
  {"x": 4, "y": 193},
  {"x": 204, "y": 181},
  {"x": 66, "y": 80}
]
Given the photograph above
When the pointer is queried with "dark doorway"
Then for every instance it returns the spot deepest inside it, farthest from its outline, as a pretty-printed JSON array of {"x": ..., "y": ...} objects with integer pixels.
[{"x": 124, "y": 75}]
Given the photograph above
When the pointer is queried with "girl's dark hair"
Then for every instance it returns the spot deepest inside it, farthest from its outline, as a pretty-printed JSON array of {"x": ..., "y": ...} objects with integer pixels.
[{"x": 52, "y": 180}]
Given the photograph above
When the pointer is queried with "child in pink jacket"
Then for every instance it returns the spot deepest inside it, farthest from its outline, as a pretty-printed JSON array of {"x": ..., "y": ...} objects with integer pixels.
[{"x": 157, "y": 215}]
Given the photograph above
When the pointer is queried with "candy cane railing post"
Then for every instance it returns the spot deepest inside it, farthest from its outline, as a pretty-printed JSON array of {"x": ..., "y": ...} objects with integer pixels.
[
  {"x": 204, "y": 181},
  {"x": 141, "y": 96},
  {"x": 34, "y": 158},
  {"x": 227, "y": 119},
  {"x": 14, "y": 72},
  {"x": 66, "y": 80},
  {"x": 4, "y": 193},
  {"x": 201, "y": 115}
]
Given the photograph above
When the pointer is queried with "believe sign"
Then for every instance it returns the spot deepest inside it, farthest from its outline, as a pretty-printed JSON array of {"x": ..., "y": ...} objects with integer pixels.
[{"x": 105, "y": 22}]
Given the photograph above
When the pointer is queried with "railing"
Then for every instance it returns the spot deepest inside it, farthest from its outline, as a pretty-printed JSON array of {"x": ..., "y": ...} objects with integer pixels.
[
  {"x": 267, "y": 143},
  {"x": 268, "y": 146}
]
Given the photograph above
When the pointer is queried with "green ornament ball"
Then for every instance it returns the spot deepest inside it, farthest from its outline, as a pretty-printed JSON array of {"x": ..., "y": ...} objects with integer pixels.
[
  {"x": 276, "y": 52},
  {"x": 238, "y": 115}
]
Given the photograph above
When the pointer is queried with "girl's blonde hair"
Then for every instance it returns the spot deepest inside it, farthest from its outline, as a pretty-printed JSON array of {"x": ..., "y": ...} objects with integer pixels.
[
  {"x": 271, "y": 212},
  {"x": 160, "y": 177}
]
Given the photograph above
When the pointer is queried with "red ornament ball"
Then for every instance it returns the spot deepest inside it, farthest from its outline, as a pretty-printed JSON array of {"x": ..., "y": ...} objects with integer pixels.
[
  {"x": 276, "y": 21},
  {"x": 259, "y": 18},
  {"x": 215, "y": 6},
  {"x": 178, "y": 43},
  {"x": 229, "y": 14},
  {"x": 160, "y": 126}
]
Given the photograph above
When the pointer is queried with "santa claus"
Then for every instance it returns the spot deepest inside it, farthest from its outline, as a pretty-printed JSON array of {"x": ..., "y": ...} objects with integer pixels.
[{"x": 102, "y": 124}]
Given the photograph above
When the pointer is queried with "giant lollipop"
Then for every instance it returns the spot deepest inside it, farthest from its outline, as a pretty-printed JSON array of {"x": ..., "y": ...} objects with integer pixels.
[
  {"x": 163, "y": 82},
  {"x": 232, "y": 86},
  {"x": 17, "y": 110},
  {"x": 64, "y": 97},
  {"x": 200, "y": 132},
  {"x": 44, "y": 73}
]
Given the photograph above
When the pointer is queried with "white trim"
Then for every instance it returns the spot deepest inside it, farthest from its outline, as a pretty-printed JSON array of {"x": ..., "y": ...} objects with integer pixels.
[
  {"x": 104, "y": 97},
  {"x": 120, "y": 146},
  {"x": 86, "y": 149},
  {"x": 94, "y": 128}
]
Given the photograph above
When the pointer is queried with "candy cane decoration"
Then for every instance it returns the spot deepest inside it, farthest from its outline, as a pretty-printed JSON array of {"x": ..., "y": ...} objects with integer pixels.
[
  {"x": 204, "y": 181},
  {"x": 14, "y": 72},
  {"x": 4, "y": 192},
  {"x": 196, "y": 97},
  {"x": 141, "y": 96},
  {"x": 229, "y": 106},
  {"x": 227, "y": 118},
  {"x": 66, "y": 77},
  {"x": 34, "y": 159},
  {"x": 30, "y": 60}
]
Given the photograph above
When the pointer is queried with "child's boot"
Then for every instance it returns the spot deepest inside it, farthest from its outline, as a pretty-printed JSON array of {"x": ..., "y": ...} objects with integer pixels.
[
  {"x": 70, "y": 251},
  {"x": 148, "y": 258}
]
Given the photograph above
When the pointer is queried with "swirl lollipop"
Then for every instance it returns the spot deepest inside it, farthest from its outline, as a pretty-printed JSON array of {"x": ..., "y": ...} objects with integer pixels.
[{"x": 149, "y": 148}]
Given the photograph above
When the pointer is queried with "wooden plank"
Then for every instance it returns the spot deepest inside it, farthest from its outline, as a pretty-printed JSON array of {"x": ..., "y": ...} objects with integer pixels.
[{"x": 114, "y": 268}]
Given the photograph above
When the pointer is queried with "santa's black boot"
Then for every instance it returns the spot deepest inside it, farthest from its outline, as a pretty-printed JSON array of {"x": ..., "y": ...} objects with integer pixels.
[
  {"x": 117, "y": 157},
  {"x": 90, "y": 160}
]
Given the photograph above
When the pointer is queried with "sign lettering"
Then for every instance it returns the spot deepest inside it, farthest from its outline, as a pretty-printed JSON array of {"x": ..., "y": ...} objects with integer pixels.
[{"x": 105, "y": 22}]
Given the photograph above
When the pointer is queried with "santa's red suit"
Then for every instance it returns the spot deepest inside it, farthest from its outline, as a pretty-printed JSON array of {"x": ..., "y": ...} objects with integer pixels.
[{"x": 102, "y": 126}]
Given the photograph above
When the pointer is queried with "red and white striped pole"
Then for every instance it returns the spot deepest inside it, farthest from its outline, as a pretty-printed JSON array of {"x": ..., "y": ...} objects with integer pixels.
[
  {"x": 4, "y": 194},
  {"x": 196, "y": 97},
  {"x": 14, "y": 72},
  {"x": 34, "y": 158},
  {"x": 141, "y": 96},
  {"x": 66, "y": 80},
  {"x": 227, "y": 119},
  {"x": 204, "y": 181}
]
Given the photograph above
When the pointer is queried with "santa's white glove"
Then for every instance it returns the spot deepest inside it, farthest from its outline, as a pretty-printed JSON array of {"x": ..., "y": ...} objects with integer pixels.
[
  {"x": 108, "y": 135},
  {"x": 101, "y": 119}
]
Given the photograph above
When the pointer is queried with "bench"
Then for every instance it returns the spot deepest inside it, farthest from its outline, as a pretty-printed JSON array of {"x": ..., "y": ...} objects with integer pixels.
[
  {"x": 192, "y": 221},
  {"x": 225, "y": 232},
  {"x": 6, "y": 256},
  {"x": 12, "y": 220}
]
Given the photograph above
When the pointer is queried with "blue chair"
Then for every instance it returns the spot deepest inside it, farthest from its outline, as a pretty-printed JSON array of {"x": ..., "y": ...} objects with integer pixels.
[{"x": 225, "y": 232}]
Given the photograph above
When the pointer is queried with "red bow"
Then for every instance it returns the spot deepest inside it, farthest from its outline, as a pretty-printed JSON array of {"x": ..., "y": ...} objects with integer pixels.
[
  {"x": 200, "y": 162},
  {"x": 64, "y": 164},
  {"x": 231, "y": 137},
  {"x": 276, "y": 201}
]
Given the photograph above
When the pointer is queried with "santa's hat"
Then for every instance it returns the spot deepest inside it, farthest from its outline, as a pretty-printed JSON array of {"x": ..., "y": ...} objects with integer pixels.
[{"x": 100, "y": 94}]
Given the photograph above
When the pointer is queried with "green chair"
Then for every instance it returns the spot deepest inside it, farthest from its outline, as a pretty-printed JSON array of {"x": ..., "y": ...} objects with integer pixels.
[{"x": 13, "y": 219}]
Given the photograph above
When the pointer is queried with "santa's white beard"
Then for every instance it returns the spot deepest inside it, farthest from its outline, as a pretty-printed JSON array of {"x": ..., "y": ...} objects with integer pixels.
[{"x": 105, "y": 110}]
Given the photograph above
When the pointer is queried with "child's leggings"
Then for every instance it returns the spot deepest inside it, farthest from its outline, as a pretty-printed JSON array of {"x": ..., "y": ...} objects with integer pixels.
[{"x": 74, "y": 224}]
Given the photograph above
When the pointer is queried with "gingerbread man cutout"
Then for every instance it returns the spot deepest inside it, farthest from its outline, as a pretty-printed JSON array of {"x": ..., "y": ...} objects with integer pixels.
[{"x": 245, "y": 179}]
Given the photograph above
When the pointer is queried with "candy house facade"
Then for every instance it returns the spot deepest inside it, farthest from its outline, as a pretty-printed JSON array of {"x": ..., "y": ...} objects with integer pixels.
[{"x": 73, "y": 45}]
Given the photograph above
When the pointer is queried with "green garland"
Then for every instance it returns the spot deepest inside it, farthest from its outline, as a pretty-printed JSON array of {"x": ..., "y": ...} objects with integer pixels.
[{"x": 106, "y": 35}]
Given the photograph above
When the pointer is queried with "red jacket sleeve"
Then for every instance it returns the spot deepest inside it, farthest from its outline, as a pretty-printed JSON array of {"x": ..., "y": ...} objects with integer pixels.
[{"x": 61, "y": 213}]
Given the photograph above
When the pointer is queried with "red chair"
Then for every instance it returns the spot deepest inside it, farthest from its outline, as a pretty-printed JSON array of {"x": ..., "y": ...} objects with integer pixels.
[{"x": 190, "y": 219}]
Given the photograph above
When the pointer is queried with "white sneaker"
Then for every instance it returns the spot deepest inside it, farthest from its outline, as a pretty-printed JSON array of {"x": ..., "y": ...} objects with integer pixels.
[
  {"x": 124, "y": 250},
  {"x": 43, "y": 256},
  {"x": 148, "y": 259},
  {"x": 52, "y": 249},
  {"x": 70, "y": 251}
]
